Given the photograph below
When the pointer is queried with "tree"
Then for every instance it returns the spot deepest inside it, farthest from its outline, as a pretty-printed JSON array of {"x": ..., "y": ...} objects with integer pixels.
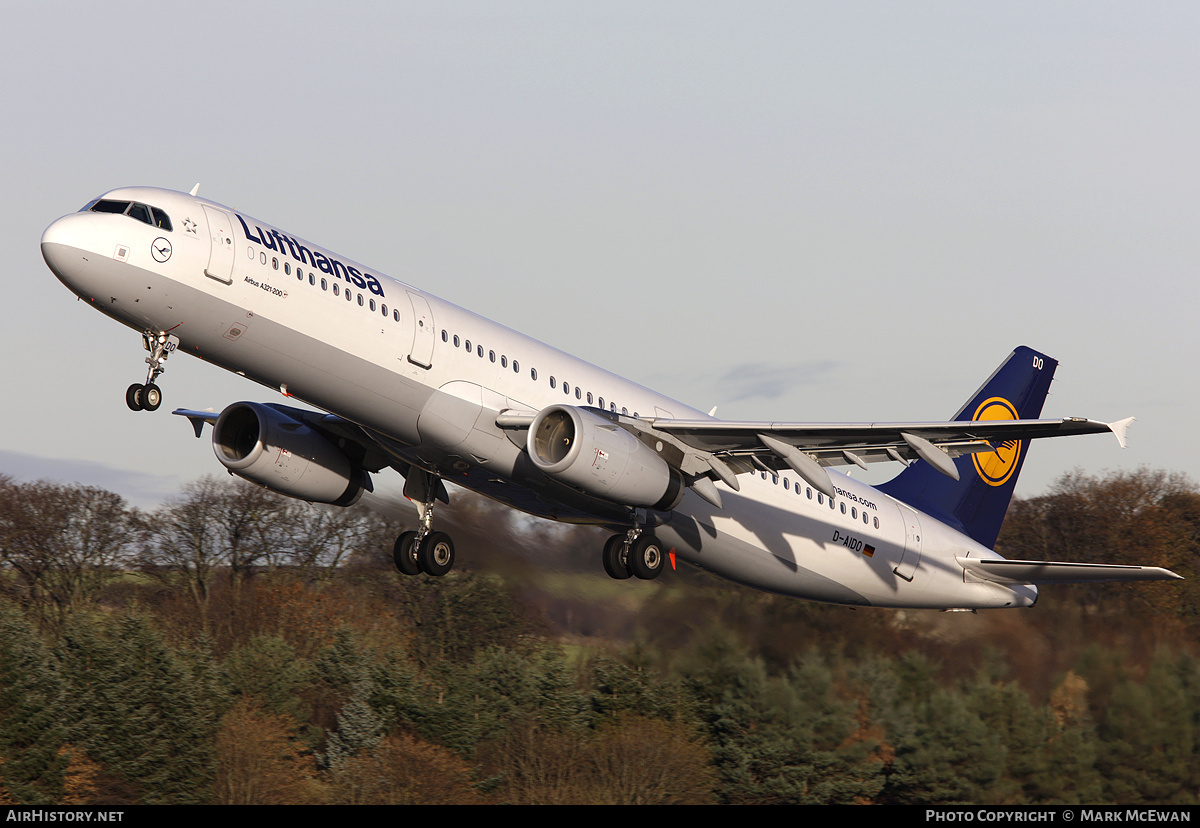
[
  {"x": 146, "y": 714},
  {"x": 1146, "y": 517},
  {"x": 64, "y": 541},
  {"x": 32, "y": 734},
  {"x": 260, "y": 762}
]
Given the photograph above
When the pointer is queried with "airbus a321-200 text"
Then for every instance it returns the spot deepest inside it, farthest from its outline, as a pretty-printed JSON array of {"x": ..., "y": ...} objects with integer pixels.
[{"x": 404, "y": 380}]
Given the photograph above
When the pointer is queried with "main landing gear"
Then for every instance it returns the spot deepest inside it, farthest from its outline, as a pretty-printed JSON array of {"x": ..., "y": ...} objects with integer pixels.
[
  {"x": 636, "y": 553},
  {"x": 424, "y": 550},
  {"x": 148, "y": 396}
]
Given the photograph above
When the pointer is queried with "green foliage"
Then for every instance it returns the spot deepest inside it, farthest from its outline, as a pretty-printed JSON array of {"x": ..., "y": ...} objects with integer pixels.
[
  {"x": 141, "y": 709},
  {"x": 357, "y": 685},
  {"x": 268, "y": 668},
  {"x": 776, "y": 739},
  {"x": 32, "y": 735},
  {"x": 1150, "y": 750}
]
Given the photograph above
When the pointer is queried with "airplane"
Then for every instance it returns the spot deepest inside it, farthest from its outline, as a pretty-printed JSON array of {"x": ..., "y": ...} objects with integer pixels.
[{"x": 404, "y": 380}]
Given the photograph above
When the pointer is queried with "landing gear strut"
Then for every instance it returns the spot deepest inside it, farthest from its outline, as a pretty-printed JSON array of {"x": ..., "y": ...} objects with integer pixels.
[
  {"x": 637, "y": 553},
  {"x": 424, "y": 550},
  {"x": 148, "y": 396}
]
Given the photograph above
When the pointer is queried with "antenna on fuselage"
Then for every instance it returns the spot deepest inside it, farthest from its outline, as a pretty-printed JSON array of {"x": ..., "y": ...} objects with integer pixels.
[{"x": 195, "y": 189}]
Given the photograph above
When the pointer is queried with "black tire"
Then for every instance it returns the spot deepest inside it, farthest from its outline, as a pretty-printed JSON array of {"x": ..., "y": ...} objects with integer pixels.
[
  {"x": 133, "y": 397},
  {"x": 404, "y": 555},
  {"x": 436, "y": 554},
  {"x": 151, "y": 397},
  {"x": 613, "y": 565},
  {"x": 646, "y": 557}
]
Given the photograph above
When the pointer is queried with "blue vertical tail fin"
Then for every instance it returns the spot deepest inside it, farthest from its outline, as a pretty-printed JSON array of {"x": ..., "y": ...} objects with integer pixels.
[{"x": 976, "y": 503}]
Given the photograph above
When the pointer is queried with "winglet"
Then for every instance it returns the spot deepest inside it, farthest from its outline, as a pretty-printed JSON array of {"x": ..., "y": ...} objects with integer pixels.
[
  {"x": 198, "y": 418},
  {"x": 1118, "y": 428}
]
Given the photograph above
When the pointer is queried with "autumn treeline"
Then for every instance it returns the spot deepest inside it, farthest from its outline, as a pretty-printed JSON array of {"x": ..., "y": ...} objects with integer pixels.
[{"x": 234, "y": 647}]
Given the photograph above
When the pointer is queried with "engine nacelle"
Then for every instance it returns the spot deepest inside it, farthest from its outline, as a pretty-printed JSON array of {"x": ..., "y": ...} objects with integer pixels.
[
  {"x": 258, "y": 443},
  {"x": 596, "y": 455}
]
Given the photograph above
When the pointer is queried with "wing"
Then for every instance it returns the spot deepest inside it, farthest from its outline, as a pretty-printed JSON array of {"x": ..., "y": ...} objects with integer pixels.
[
  {"x": 835, "y": 444},
  {"x": 723, "y": 449},
  {"x": 1050, "y": 572}
]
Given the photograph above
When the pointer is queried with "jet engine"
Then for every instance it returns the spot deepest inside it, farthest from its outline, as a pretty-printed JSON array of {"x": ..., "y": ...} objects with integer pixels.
[
  {"x": 594, "y": 454},
  {"x": 267, "y": 447}
]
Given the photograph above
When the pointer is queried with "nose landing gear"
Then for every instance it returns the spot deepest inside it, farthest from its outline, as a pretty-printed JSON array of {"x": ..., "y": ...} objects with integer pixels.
[{"x": 148, "y": 396}]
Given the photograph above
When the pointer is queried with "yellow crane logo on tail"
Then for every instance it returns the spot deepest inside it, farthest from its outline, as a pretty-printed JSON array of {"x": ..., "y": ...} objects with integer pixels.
[{"x": 997, "y": 466}]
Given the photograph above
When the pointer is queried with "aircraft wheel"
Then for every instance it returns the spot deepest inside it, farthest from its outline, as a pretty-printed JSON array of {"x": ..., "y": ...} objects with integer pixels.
[
  {"x": 613, "y": 565},
  {"x": 151, "y": 397},
  {"x": 133, "y": 397},
  {"x": 646, "y": 557},
  {"x": 404, "y": 555},
  {"x": 436, "y": 554}
]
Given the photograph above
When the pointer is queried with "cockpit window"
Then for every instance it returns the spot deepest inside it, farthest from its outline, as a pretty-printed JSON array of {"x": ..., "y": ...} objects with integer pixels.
[
  {"x": 105, "y": 206},
  {"x": 161, "y": 219},
  {"x": 140, "y": 212},
  {"x": 147, "y": 215}
]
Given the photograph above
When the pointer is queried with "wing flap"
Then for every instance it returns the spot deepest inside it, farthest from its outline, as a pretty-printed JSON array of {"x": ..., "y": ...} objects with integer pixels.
[{"x": 1055, "y": 572}]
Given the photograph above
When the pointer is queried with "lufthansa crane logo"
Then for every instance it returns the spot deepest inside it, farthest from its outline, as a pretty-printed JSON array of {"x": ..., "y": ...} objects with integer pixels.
[
  {"x": 160, "y": 249},
  {"x": 996, "y": 467}
]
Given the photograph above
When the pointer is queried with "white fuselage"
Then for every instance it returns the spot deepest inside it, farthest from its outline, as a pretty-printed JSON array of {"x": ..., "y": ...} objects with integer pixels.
[{"x": 427, "y": 379}]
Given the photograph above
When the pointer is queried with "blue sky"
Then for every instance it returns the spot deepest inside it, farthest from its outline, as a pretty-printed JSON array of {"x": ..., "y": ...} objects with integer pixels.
[{"x": 795, "y": 211}]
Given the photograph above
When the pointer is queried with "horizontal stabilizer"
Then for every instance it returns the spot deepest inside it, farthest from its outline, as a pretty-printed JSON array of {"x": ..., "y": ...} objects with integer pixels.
[{"x": 1048, "y": 572}]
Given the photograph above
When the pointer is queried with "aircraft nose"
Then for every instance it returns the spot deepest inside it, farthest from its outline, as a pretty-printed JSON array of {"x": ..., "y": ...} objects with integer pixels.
[{"x": 64, "y": 247}]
